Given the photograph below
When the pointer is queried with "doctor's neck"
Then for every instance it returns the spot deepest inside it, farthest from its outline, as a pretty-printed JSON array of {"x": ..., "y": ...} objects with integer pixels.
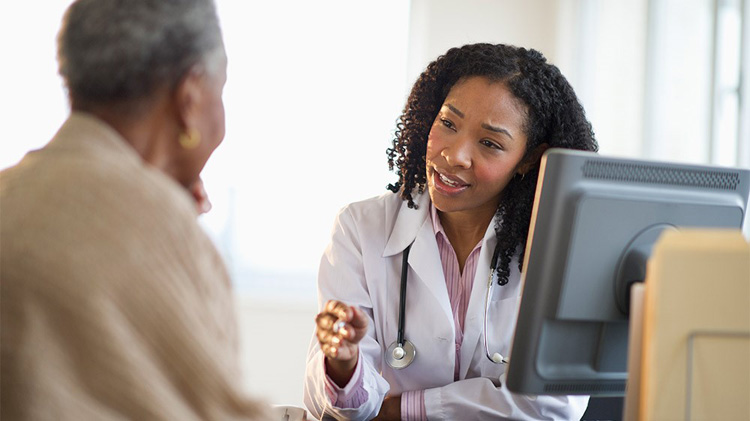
[{"x": 465, "y": 229}]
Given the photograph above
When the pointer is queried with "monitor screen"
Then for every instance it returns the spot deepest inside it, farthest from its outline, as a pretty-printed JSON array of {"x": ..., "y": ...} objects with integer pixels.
[{"x": 593, "y": 224}]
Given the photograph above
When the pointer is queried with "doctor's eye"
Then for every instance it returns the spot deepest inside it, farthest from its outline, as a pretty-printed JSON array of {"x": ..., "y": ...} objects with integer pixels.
[
  {"x": 447, "y": 123},
  {"x": 490, "y": 144}
]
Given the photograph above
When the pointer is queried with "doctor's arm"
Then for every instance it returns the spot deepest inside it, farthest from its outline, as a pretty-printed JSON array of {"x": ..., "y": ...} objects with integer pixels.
[
  {"x": 339, "y": 328},
  {"x": 341, "y": 278},
  {"x": 482, "y": 398}
]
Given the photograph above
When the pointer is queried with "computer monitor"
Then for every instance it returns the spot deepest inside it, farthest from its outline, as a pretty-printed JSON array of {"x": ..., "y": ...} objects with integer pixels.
[{"x": 593, "y": 223}]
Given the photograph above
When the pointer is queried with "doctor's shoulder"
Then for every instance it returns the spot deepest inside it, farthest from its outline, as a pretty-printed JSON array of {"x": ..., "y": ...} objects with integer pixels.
[
  {"x": 370, "y": 220},
  {"x": 373, "y": 209}
]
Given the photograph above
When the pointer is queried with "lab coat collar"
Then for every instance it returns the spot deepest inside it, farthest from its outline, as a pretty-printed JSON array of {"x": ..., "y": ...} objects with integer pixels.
[{"x": 407, "y": 225}]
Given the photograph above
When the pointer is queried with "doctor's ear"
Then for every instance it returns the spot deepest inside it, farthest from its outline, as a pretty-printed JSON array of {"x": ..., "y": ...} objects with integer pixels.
[{"x": 532, "y": 159}]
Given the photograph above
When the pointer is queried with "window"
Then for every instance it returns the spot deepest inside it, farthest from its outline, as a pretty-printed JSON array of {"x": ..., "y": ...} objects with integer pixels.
[
  {"x": 727, "y": 143},
  {"x": 696, "y": 90}
]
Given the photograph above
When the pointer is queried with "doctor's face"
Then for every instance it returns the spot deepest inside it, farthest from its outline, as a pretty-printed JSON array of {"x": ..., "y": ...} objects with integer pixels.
[{"x": 475, "y": 146}]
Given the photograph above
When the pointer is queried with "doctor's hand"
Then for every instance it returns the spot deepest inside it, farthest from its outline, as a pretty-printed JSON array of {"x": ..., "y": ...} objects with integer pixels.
[{"x": 339, "y": 329}]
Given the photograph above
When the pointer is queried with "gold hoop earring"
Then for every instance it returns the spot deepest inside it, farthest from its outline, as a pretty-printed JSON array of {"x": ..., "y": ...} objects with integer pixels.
[{"x": 190, "y": 139}]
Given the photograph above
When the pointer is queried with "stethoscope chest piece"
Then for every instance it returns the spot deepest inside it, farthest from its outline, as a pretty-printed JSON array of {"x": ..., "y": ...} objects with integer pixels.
[{"x": 400, "y": 356}]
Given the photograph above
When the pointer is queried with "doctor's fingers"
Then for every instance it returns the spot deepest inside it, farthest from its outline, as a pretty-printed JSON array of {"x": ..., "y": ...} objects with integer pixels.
[
  {"x": 352, "y": 315},
  {"x": 359, "y": 319},
  {"x": 329, "y": 326},
  {"x": 355, "y": 330},
  {"x": 325, "y": 337},
  {"x": 339, "y": 309},
  {"x": 325, "y": 321},
  {"x": 334, "y": 346},
  {"x": 340, "y": 353}
]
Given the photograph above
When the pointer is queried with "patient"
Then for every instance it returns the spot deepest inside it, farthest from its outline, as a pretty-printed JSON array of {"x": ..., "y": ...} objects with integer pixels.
[{"x": 115, "y": 304}]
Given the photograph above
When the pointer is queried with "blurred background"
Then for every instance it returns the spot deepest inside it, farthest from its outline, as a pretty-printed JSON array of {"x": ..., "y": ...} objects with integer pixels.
[{"x": 314, "y": 90}]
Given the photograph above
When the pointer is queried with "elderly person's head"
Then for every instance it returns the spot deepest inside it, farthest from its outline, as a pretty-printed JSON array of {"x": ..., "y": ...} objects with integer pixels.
[{"x": 152, "y": 69}]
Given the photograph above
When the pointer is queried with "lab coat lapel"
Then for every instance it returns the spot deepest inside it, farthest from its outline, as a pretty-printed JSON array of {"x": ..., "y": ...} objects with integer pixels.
[
  {"x": 424, "y": 260},
  {"x": 473, "y": 325},
  {"x": 414, "y": 226},
  {"x": 407, "y": 224}
]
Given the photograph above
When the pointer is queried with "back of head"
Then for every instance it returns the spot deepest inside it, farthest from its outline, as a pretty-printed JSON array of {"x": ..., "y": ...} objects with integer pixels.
[{"x": 119, "y": 52}]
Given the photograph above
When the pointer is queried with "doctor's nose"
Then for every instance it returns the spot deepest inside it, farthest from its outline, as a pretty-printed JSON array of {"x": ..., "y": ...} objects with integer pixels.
[{"x": 458, "y": 154}]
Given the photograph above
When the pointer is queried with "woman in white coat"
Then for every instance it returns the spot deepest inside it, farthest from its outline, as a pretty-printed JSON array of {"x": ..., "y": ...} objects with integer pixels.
[{"x": 471, "y": 134}]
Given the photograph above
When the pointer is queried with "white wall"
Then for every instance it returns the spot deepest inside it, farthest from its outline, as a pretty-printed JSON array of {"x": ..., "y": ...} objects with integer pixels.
[
  {"x": 437, "y": 25},
  {"x": 313, "y": 91},
  {"x": 32, "y": 102}
]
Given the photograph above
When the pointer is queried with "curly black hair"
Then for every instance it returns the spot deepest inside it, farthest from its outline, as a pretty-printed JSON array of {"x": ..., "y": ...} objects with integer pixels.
[{"x": 554, "y": 117}]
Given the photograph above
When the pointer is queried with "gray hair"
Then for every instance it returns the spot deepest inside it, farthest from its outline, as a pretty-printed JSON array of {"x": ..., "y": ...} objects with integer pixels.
[{"x": 120, "y": 51}]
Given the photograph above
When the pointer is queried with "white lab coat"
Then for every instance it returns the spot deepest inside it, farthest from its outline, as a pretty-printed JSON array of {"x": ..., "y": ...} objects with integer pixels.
[{"x": 362, "y": 266}]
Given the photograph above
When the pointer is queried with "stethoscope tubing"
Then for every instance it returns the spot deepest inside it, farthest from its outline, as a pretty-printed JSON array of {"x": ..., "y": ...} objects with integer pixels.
[
  {"x": 486, "y": 314},
  {"x": 496, "y": 357},
  {"x": 405, "y": 347},
  {"x": 401, "y": 353},
  {"x": 402, "y": 297}
]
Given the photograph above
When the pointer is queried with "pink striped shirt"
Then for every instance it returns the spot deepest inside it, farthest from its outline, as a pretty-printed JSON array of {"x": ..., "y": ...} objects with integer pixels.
[{"x": 459, "y": 290}]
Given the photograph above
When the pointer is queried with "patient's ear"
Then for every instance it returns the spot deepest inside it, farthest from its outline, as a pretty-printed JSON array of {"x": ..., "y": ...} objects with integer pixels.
[
  {"x": 532, "y": 160},
  {"x": 188, "y": 96}
]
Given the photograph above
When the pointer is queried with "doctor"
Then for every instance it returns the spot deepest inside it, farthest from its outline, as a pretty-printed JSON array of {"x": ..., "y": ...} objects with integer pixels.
[{"x": 466, "y": 152}]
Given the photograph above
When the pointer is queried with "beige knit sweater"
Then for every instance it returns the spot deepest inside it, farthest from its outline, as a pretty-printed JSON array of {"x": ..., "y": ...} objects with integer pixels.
[{"x": 114, "y": 304}]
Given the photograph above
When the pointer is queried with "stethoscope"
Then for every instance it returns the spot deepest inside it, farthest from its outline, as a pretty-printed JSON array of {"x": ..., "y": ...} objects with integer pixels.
[{"x": 401, "y": 353}]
